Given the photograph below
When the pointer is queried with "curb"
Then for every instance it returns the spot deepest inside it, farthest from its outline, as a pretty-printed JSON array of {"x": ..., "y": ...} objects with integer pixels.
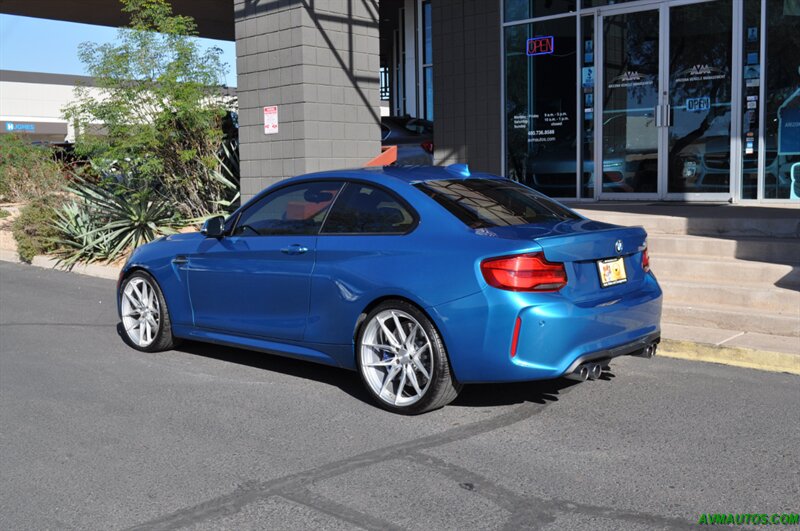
[
  {"x": 91, "y": 270},
  {"x": 7, "y": 255},
  {"x": 48, "y": 262},
  {"x": 738, "y": 357}
]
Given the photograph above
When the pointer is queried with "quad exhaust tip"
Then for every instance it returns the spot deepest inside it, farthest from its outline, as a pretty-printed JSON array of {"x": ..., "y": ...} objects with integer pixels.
[
  {"x": 580, "y": 374},
  {"x": 586, "y": 371},
  {"x": 591, "y": 370},
  {"x": 649, "y": 351}
]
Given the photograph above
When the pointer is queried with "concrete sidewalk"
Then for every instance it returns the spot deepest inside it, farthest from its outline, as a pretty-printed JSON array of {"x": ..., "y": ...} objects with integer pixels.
[{"x": 731, "y": 347}]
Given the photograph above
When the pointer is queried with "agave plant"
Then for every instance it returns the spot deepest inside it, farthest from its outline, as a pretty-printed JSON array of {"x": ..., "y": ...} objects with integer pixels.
[
  {"x": 80, "y": 240},
  {"x": 106, "y": 220},
  {"x": 228, "y": 174}
]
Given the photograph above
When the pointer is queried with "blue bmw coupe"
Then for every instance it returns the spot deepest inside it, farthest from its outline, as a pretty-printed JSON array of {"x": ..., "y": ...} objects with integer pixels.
[{"x": 421, "y": 279}]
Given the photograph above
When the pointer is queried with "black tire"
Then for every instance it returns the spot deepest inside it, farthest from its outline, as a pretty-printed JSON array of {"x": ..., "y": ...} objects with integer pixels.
[
  {"x": 163, "y": 340},
  {"x": 443, "y": 387}
]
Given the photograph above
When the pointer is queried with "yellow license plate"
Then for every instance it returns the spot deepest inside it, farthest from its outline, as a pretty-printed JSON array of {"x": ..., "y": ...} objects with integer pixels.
[{"x": 612, "y": 271}]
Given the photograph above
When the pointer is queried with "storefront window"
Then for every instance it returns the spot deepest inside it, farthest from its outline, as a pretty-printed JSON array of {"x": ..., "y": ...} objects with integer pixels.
[
  {"x": 541, "y": 82},
  {"x": 751, "y": 58},
  {"x": 427, "y": 61},
  {"x": 524, "y": 9},
  {"x": 782, "y": 123},
  {"x": 597, "y": 3},
  {"x": 587, "y": 153}
]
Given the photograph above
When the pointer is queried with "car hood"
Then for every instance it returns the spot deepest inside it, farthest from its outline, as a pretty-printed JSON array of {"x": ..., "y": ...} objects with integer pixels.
[{"x": 184, "y": 236}]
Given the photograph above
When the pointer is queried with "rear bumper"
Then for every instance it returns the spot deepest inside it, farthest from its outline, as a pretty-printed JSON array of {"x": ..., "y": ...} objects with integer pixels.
[
  {"x": 633, "y": 348},
  {"x": 555, "y": 336}
]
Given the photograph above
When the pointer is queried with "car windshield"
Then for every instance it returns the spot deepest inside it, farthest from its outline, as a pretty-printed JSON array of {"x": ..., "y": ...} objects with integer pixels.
[{"x": 482, "y": 203}]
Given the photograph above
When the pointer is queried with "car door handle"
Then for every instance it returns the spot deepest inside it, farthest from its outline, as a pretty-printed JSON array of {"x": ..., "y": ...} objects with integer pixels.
[
  {"x": 294, "y": 249},
  {"x": 178, "y": 260}
]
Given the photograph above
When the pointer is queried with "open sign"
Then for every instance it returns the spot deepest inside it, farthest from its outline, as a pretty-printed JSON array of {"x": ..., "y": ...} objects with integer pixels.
[
  {"x": 540, "y": 45},
  {"x": 698, "y": 104}
]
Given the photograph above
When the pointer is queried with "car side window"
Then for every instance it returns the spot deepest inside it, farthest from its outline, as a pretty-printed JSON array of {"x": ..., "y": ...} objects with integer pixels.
[
  {"x": 365, "y": 209},
  {"x": 294, "y": 210}
]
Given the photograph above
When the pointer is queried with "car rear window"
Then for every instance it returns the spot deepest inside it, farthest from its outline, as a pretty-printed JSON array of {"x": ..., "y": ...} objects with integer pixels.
[{"x": 481, "y": 203}]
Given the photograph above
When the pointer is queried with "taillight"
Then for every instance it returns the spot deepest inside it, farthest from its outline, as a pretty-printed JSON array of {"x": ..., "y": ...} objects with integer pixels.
[
  {"x": 645, "y": 260},
  {"x": 524, "y": 272},
  {"x": 427, "y": 146}
]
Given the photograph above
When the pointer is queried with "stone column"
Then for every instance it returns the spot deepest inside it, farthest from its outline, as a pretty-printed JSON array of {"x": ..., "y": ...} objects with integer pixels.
[{"x": 318, "y": 61}]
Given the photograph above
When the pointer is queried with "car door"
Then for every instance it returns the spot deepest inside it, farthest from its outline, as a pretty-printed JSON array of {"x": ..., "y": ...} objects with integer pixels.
[
  {"x": 256, "y": 280},
  {"x": 362, "y": 251}
]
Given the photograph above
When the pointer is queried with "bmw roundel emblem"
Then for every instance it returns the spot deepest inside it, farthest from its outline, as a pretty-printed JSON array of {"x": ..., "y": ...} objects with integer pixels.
[{"x": 618, "y": 246}]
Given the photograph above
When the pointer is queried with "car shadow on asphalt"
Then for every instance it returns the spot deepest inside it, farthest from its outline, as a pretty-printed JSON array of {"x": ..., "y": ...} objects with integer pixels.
[
  {"x": 504, "y": 394},
  {"x": 476, "y": 395}
]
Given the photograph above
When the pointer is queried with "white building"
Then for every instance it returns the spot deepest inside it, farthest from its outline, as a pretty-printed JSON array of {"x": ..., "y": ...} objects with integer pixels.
[{"x": 31, "y": 104}]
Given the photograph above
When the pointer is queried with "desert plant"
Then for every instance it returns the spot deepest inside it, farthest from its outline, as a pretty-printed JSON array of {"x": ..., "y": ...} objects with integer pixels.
[
  {"x": 107, "y": 220},
  {"x": 80, "y": 238},
  {"x": 227, "y": 173},
  {"x": 159, "y": 97},
  {"x": 26, "y": 171},
  {"x": 34, "y": 230}
]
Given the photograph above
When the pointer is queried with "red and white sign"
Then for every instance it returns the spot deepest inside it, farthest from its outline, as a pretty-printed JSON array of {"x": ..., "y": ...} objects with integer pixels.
[{"x": 271, "y": 120}]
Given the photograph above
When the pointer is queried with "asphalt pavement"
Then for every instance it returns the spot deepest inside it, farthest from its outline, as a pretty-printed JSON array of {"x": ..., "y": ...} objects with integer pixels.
[{"x": 95, "y": 435}]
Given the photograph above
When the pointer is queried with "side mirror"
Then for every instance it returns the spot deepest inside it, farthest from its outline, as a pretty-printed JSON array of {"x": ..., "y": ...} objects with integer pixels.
[{"x": 214, "y": 227}]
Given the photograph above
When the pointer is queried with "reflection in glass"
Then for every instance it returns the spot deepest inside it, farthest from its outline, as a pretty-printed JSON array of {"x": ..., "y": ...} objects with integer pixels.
[
  {"x": 782, "y": 124},
  {"x": 700, "y": 98},
  {"x": 523, "y": 9},
  {"x": 630, "y": 96},
  {"x": 540, "y": 108}
]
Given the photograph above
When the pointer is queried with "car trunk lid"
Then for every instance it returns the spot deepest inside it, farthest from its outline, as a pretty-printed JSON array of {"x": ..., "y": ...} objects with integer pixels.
[{"x": 580, "y": 245}]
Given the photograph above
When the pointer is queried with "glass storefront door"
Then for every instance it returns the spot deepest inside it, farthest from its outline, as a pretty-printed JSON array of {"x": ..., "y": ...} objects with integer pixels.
[
  {"x": 629, "y": 98},
  {"x": 699, "y": 107},
  {"x": 665, "y": 101}
]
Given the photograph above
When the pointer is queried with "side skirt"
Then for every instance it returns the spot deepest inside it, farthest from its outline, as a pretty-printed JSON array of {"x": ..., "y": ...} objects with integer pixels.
[{"x": 336, "y": 355}]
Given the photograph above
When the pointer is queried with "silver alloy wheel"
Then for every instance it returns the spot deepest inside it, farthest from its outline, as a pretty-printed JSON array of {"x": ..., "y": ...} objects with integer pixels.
[
  {"x": 141, "y": 314},
  {"x": 396, "y": 357}
]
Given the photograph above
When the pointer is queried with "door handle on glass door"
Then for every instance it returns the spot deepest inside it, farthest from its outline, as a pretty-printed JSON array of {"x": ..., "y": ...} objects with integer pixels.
[{"x": 294, "y": 249}]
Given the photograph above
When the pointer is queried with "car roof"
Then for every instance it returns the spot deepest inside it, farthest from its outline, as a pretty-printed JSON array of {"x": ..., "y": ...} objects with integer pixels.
[
  {"x": 406, "y": 174},
  {"x": 396, "y": 175}
]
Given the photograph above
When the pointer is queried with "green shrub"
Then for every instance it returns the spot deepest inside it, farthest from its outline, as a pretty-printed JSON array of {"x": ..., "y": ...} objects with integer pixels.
[
  {"x": 26, "y": 171},
  {"x": 34, "y": 230},
  {"x": 158, "y": 95}
]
